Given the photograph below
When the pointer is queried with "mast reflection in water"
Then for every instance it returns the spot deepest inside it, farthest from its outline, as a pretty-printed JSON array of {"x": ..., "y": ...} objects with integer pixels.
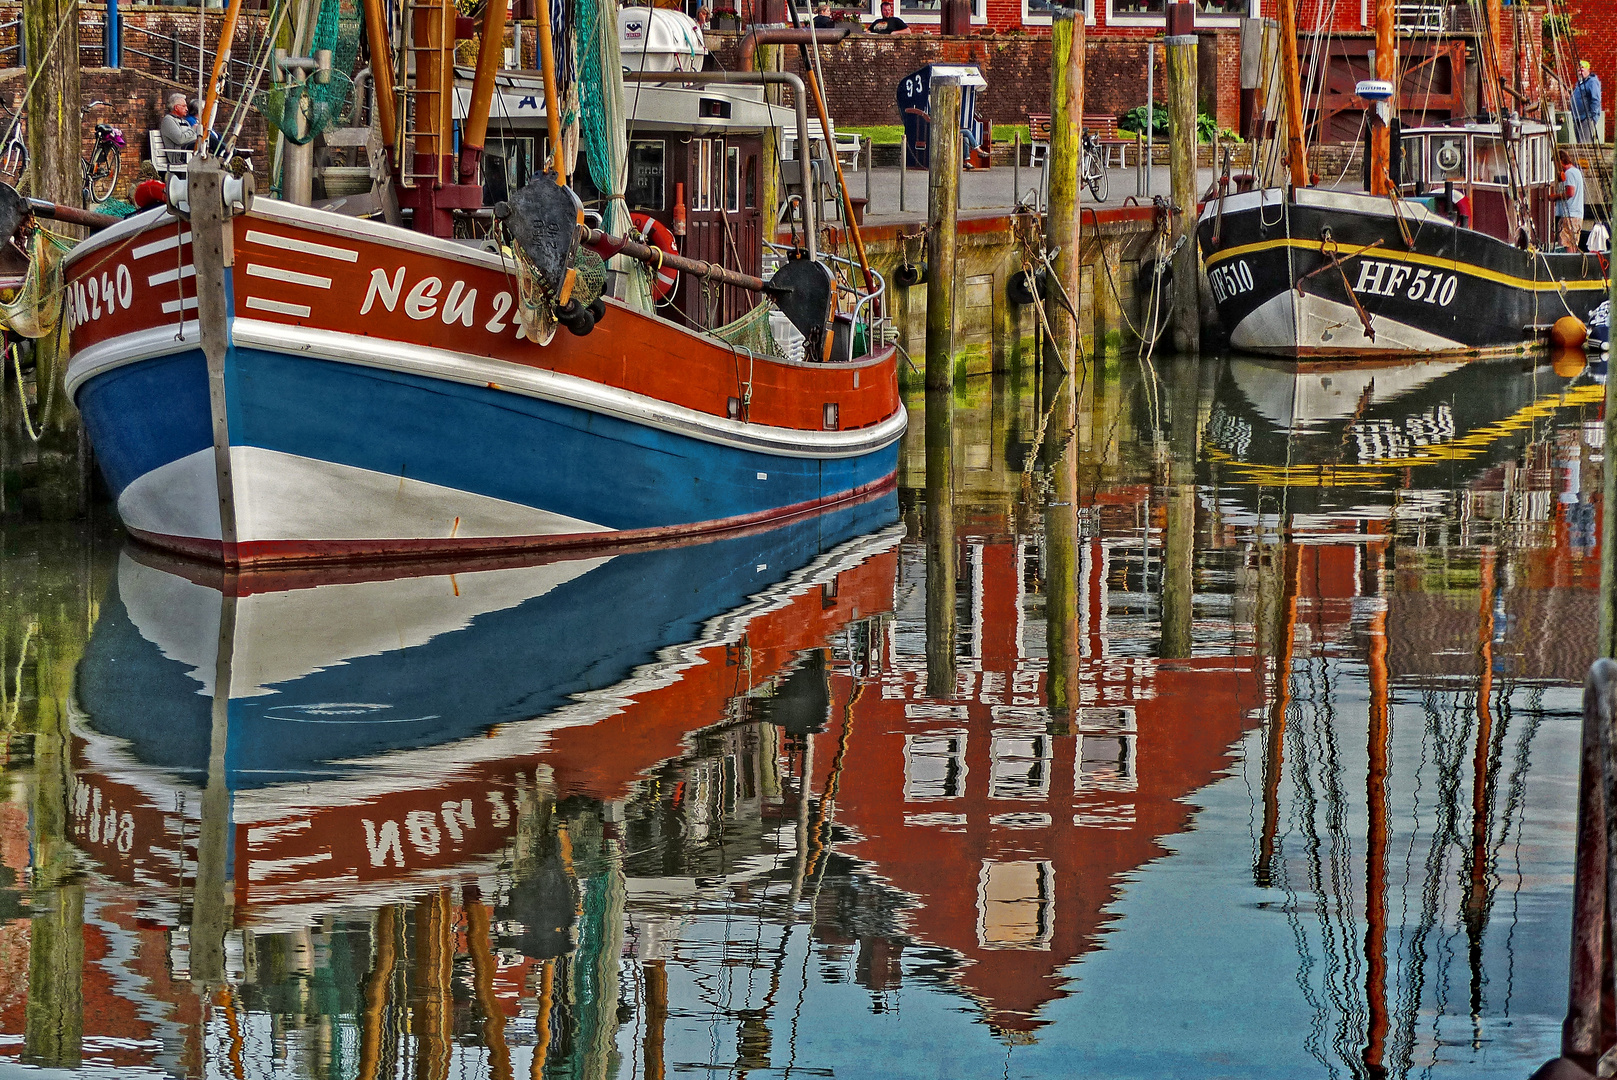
[{"x": 1257, "y": 758}]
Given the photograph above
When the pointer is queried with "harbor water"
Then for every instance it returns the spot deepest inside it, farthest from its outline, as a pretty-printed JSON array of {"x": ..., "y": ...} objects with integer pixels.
[{"x": 1215, "y": 719}]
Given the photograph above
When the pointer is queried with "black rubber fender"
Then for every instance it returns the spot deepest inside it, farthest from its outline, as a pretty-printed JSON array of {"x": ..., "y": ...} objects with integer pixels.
[
  {"x": 1019, "y": 290},
  {"x": 909, "y": 275}
]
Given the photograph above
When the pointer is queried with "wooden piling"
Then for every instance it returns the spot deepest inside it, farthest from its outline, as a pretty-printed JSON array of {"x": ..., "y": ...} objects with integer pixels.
[
  {"x": 942, "y": 212},
  {"x": 943, "y": 204},
  {"x": 50, "y": 40},
  {"x": 1581, "y": 1034},
  {"x": 1066, "y": 143},
  {"x": 1185, "y": 321},
  {"x": 1179, "y": 553}
]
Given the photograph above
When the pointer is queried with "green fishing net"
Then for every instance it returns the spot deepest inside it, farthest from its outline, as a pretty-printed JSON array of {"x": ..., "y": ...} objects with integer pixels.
[
  {"x": 33, "y": 310},
  {"x": 300, "y": 110},
  {"x": 751, "y": 332}
]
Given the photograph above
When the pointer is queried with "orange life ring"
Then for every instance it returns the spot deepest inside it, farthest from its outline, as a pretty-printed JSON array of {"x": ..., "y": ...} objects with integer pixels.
[{"x": 656, "y": 234}]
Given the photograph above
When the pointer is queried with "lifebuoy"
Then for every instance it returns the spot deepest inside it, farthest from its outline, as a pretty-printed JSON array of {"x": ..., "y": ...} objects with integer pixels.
[{"x": 655, "y": 233}]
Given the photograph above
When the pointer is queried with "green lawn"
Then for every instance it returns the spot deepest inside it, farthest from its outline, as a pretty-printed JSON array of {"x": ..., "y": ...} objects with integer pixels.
[{"x": 893, "y": 134}]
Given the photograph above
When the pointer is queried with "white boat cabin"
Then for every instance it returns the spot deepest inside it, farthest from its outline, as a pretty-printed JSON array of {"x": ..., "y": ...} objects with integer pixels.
[
  {"x": 695, "y": 153},
  {"x": 1477, "y": 160}
]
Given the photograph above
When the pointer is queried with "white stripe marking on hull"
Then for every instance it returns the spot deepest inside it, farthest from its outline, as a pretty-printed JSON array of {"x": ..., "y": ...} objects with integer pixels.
[
  {"x": 187, "y": 304},
  {"x": 291, "y": 243},
  {"x": 171, "y": 275},
  {"x": 258, "y": 303},
  {"x": 156, "y": 246},
  {"x": 275, "y": 273}
]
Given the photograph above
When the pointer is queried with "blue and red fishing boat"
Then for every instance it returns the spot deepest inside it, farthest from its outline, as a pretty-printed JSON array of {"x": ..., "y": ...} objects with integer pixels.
[
  {"x": 365, "y": 390},
  {"x": 382, "y": 399}
]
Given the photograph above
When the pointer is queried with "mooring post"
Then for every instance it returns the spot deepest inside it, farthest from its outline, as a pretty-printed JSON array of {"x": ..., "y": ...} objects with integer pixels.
[
  {"x": 942, "y": 211},
  {"x": 50, "y": 40},
  {"x": 1066, "y": 141},
  {"x": 1180, "y": 392},
  {"x": 1581, "y": 1032},
  {"x": 1016, "y": 171},
  {"x": 1607, "y": 645},
  {"x": 903, "y": 164},
  {"x": 1181, "y": 44},
  {"x": 1150, "y": 111}
]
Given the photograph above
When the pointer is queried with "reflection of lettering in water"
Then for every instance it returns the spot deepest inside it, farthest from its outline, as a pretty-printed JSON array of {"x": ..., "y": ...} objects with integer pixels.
[
  {"x": 428, "y": 831},
  {"x": 1380, "y": 440}
]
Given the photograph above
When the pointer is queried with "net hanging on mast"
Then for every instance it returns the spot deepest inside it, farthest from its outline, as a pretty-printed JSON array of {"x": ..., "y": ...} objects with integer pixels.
[{"x": 303, "y": 108}]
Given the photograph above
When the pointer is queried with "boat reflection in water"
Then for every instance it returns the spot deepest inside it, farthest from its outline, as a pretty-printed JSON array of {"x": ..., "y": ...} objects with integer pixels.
[
  {"x": 1281, "y": 786},
  {"x": 315, "y": 788}
]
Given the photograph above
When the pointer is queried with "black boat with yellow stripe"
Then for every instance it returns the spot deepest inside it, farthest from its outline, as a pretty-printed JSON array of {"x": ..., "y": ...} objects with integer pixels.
[{"x": 1454, "y": 257}]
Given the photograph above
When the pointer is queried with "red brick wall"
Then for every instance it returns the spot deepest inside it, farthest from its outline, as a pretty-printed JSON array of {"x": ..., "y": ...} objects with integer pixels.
[
  {"x": 862, "y": 73},
  {"x": 1594, "y": 38}
]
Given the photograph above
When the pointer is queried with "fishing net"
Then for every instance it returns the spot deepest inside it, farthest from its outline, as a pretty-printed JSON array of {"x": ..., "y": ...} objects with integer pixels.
[
  {"x": 603, "y": 126},
  {"x": 751, "y": 332},
  {"x": 115, "y": 207},
  {"x": 303, "y": 108},
  {"x": 34, "y": 309}
]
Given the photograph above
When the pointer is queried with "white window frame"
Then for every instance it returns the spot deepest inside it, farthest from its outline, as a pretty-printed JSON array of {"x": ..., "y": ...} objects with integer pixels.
[
  {"x": 1043, "y": 905},
  {"x": 1043, "y": 18},
  {"x": 1113, "y": 19},
  {"x": 925, "y": 745}
]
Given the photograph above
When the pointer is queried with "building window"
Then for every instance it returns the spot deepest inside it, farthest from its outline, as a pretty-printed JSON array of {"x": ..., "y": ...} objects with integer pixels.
[
  {"x": 927, "y": 12},
  {"x": 935, "y": 766},
  {"x": 1154, "y": 12},
  {"x": 1040, "y": 16},
  {"x": 1015, "y": 905},
  {"x": 1106, "y": 763},
  {"x": 1021, "y": 765}
]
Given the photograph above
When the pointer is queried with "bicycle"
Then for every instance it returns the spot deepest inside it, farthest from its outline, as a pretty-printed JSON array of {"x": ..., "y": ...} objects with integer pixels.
[
  {"x": 100, "y": 169},
  {"x": 1092, "y": 168},
  {"x": 14, "y": 154}
]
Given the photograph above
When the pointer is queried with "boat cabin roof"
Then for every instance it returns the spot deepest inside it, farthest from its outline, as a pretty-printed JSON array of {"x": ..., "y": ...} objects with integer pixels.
[
  {"x": 1474, "y": 154},
  {"x": 519, "y": 101}
]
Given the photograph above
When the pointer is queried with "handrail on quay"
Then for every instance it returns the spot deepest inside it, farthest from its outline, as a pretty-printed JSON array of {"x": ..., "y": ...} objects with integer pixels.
[{"x": 1588, "y": 1045}]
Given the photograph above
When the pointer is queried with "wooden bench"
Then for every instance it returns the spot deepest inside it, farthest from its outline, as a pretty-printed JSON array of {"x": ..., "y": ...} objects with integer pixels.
[
  {"x": 164, "y": 158},
  {"x": 845, "y": 144},
  {"x": 1101, "y": 125}
]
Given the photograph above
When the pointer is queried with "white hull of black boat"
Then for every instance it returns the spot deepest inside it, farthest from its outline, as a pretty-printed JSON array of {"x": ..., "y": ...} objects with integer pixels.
[{"x": 1328, "y": 274}]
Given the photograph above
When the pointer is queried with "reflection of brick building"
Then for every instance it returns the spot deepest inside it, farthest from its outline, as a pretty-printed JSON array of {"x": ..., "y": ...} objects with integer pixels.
[{"x": 1013, "y": 841}]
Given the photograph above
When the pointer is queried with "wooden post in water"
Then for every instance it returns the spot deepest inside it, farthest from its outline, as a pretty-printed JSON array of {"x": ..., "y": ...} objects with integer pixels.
[
  {"x": 1185, "y": 321},
  {"x": 1581, "y": 1034},
  {"x": 942, "y": 211},
  {"x": 1179, "y": 555},
  {"x": 49, "y": 37},
  {"x": 943, "y": 203},
  {"x": 1066, "y": 125}
]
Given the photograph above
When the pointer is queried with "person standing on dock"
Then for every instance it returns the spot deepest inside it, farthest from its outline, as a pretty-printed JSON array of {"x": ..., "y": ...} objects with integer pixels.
[
  {"x": 1586, "y": 104},
  {"x": 1569, "y": 208},
  {"x": 889, "y": 23}
]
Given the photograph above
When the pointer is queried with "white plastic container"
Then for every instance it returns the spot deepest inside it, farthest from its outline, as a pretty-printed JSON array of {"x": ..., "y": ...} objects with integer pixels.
[{"x": 658, "y": 39}]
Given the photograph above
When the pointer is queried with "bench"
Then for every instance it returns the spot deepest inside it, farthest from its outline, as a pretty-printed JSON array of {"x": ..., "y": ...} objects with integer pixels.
[
  {"x": 165, "y": 159},
  {"x": 847, "y": 145},
  {"x": 1101, "y": 125}
]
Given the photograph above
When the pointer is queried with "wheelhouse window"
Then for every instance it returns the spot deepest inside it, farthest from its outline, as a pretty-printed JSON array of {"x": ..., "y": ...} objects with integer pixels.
[
  {"x": 1412, "y": 163},
  {"x": 1447, "y": 158},
  {"x": 1490, "y": 165},
  {"x": 732, "y": 179},
  {"x": 648, "y": 172}
]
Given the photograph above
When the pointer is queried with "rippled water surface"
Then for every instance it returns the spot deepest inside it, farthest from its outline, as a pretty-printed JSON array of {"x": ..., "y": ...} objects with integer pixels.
[{"x": 1225, "y": 726}]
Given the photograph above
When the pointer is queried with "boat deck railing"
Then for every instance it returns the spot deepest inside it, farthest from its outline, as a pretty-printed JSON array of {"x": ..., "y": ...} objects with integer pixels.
[{"x": 867, "y": 308}]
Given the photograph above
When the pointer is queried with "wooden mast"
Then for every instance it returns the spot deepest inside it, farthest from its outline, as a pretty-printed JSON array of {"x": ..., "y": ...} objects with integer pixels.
[
  {"x": 381, "y": 70},
  {"x": 474, "y": 131},
  {"x": 227, "y": 35},
  {"x": 547, "y": 67},
  {"x": 1291, "y": 84},
  {"x": 1381, "y": 126}
]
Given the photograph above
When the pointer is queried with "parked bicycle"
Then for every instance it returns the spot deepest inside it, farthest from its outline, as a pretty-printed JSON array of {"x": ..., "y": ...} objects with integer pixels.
[
  {"x": 101, "y": 167},
  {"x": 1092, "y": 168},
  {"x": 14, "y": 153}
]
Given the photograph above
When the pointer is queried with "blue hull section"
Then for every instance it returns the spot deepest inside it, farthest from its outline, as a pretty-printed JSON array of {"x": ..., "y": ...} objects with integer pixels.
[{"x": 507, "y": 665}]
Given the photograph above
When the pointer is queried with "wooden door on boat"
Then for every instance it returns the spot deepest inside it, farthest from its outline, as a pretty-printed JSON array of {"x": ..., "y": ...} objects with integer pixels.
[{"x": 723, "y": 224}]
